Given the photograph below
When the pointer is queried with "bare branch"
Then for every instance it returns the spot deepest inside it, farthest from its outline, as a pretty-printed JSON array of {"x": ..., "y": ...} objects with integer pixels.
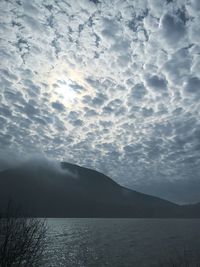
[{"x": 22, "y": 240}]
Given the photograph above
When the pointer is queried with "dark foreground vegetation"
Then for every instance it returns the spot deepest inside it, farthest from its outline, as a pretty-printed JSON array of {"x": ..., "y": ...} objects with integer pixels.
[{"x": 22, "y": 240}]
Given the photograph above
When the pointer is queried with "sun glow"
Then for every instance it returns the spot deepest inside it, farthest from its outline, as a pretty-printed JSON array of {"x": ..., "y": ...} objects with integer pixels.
[
  {"x": 67, "y": 85},
  {"x": 65, "y": 92}
]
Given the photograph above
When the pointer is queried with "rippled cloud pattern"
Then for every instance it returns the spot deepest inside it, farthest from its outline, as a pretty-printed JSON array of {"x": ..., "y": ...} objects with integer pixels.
[{"x": 112, "y": 85}]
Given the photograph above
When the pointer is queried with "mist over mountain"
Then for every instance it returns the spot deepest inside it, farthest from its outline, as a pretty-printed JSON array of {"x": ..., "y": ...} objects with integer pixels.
[{"x": 48, "y": 189}]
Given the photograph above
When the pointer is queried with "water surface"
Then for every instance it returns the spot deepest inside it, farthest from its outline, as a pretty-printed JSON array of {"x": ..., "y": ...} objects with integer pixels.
[{"x": 120, "y": 242}]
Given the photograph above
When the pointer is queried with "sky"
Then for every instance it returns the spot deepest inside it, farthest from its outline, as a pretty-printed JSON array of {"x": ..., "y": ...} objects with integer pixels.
[{"x": 110, "y": 85}]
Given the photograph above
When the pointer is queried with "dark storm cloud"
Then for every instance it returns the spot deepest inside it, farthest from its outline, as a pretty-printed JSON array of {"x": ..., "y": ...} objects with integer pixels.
[
  {"x": 5, "y": 140},
  {"x": 77, "y": 87},
  {"x": 76, "y": 122},
  {"x": 156, "y": 82},
  {"x": 8, "y": 74},
  {"x": 147, "y": 112},
  {"x": 178, "y": 67},
  {"x": 32, "y": 89},
  {"x": 5, "y": 111},
  {"x": 173, "y": 28},
  {"x": 57, "y": 105},
  {"x": 193, "y": 86},
  {"x": 110, "y": 28},
  {"x": 138, "y": 92},
  {"x": 111, "y": 86},
  {"x": 99, "y": 100},
  {"x": 90, "y": 112},
  {"x": 30, "y": 109}
]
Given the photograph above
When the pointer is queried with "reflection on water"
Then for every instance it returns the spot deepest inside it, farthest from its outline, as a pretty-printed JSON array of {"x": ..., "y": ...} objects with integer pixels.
[{"x": 119, "y": 242}]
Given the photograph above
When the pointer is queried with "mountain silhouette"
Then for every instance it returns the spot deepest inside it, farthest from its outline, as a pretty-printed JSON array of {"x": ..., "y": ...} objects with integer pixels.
[{"x": 73, "y": 191}]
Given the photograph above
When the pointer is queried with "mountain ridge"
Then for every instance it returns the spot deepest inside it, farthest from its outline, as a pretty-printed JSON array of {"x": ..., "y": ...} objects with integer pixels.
[{"x": 75, "y": 191}]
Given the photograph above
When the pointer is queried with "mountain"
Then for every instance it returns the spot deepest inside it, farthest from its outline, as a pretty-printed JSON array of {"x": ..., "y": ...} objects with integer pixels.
[{"x": 73, "y": 191}]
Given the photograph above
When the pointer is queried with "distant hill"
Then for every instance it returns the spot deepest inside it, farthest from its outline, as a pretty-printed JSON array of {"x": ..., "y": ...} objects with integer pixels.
[{"x": 74, "y": 191}]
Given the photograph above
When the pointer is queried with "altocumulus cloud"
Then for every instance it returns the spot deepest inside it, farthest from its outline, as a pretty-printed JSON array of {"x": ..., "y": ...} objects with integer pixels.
[{"x": 111, "y": 85}]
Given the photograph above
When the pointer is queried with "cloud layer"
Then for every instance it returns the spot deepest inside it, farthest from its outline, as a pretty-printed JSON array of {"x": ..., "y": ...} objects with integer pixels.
[{"x": 111, "y": 85}]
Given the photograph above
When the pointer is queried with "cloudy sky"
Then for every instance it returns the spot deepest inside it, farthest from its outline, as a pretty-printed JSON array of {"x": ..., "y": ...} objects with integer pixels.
[{"x": 112, "y": 85}]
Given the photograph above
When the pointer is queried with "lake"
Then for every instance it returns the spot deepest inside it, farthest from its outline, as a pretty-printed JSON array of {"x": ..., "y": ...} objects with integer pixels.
[{"x": 121, "y": 242}]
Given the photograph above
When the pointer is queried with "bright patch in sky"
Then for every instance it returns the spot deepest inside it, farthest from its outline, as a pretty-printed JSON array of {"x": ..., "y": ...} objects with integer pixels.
[{"x": 64, "y": 92}]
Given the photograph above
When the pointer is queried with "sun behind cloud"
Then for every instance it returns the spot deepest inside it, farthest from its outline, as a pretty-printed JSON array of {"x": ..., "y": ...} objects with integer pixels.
[
  {"x": 111, "y": 85},
  {"x": 64, "y": 92}
]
